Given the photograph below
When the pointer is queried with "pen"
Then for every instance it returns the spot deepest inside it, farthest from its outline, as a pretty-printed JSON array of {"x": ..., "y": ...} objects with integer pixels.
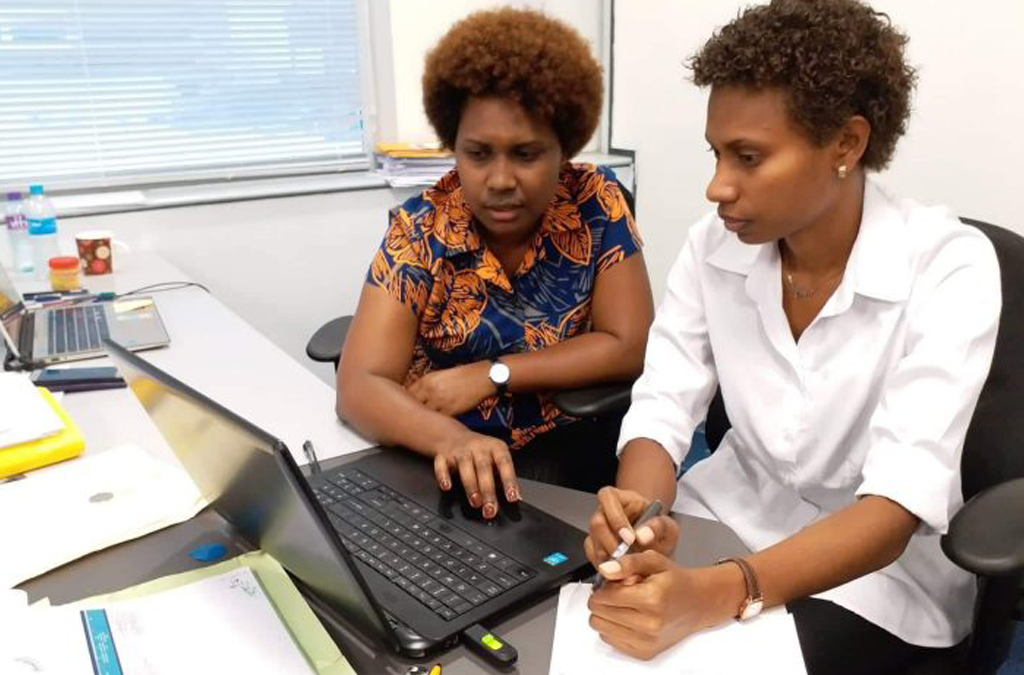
[
  {"x": 46, "y": 296},
  {"x": 314, "y": 463},
  {"x": 650, "y": 512}
]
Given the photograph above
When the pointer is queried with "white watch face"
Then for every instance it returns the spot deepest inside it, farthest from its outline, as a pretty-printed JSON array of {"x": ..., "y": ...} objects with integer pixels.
[
  {"x": 751, "y": 609},
  {"x": 499, "y": 373}
]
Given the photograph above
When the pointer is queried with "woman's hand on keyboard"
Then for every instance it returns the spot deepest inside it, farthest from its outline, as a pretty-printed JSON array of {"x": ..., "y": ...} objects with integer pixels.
[{"x": 474, "y": 458}]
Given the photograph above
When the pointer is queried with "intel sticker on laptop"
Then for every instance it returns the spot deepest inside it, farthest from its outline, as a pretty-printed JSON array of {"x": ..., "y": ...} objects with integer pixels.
[{"x": 555, "y": 558}]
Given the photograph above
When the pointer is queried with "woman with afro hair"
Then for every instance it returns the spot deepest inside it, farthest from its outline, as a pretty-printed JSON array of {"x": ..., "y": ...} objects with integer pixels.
[
  {"x": 849, "y": 333},
  {"x": 517, "y": 274}
]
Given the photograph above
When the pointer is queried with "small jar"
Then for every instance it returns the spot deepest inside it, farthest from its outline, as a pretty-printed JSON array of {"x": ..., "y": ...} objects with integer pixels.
[{"x": 64, "y": 273}]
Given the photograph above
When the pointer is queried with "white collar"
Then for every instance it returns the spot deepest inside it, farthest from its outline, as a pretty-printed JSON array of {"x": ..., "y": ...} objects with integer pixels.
[{"x": 879, "y": 264}]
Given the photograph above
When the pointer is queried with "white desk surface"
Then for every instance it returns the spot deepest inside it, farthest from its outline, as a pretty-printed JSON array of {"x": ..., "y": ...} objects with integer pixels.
[{"x": 216, "y": 352}]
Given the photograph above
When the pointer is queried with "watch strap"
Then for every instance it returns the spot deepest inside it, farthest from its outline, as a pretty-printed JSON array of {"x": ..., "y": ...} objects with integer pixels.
[{"x": 753, "y": 588}]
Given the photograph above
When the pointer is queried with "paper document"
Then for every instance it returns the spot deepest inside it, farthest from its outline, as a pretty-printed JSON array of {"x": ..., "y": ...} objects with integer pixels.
[
  {"x": 69, "y": 510},
  {"x": 24, "y": 414},
  {"x": 764, "y": 644},
  {"x": 222, "y": 624},
  {"x": 302, "y": 623}
]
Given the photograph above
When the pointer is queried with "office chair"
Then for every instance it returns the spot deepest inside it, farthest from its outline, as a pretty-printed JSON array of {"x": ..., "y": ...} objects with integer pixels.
[
  {"x": 986, "y": 537},
  {"x": 325, "y": 345}
]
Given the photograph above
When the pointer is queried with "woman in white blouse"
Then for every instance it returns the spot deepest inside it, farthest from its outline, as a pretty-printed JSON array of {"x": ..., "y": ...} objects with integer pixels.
[{"x": 850, "y": 334}]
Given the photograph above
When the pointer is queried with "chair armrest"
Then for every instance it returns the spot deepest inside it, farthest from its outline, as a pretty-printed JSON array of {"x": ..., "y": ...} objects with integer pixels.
[
  {"x": 986, "y": 536},
  {"x": 325, "y": 345},
  {"x": 593, "y": 401}
]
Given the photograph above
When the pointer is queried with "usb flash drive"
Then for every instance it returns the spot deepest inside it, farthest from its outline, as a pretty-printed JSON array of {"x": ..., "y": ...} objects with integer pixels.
[{"x": 490, "y": 645}]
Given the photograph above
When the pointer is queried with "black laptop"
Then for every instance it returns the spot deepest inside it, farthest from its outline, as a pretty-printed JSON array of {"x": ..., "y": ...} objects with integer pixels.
[{"x": 374, "y": 541}]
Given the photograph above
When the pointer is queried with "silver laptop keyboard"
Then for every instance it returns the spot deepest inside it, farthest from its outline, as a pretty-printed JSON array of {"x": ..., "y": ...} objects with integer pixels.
[
  {"x": 443, "y": 567},
  {"x": 76, "y": 329}
]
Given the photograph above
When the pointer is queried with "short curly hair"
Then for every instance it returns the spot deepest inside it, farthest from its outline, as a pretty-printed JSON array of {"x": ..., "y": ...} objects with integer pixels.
[
  {"x": 523, "y": 55},
  {"x": 833, "y": 58}
]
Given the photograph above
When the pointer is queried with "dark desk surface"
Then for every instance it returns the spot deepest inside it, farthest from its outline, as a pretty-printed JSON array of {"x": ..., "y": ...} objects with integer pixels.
[{"x": 531, "y": 630}]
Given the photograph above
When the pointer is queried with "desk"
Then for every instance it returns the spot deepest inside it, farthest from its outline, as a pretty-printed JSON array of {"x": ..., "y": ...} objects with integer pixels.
[
  {"x": 216, "y": 352},
  {"x": 530, "y": 630}
]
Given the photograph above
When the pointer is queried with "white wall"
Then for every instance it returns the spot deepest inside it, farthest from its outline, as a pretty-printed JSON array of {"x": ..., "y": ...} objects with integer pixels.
[
  {"x": 287, "y": 265},
  {"x": 964, "y": 146},
  {"x": 414, "y": 26},
  {"x": 284, "y": 265}
]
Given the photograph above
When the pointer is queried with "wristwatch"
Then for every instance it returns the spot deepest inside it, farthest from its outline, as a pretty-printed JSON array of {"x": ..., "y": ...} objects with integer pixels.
[
  {"x": 754, "y": 602},
  {"x": 499, "y": 375}
]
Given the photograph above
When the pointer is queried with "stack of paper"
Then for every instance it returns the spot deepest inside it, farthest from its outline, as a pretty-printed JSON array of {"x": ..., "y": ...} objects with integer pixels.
[
  {"x": 241, "y": 616},
  {"x": 86, "y": 505},
  {"x": 765, "y": 644},
  {"x": 24, "y": 414},
  {"x": 34, "y": 429},
  {"x": 403, "y": 165}
]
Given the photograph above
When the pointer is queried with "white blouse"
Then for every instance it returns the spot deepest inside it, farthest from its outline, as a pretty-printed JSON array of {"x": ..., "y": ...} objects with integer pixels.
[{"x": 875, "y": 398}]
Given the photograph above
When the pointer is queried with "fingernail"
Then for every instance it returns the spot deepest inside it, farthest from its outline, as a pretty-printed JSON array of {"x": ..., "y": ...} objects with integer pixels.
[
  {"x": 474, "y": 499},
  {"x": 490, "y": 510},
  {"x": 609, "y": 567},
  {"x": 446, "y": 485},
  {"x": 627, "y": 535},
  {"x": 645, "y": 535},
  {"x": 512, "y": 494}
]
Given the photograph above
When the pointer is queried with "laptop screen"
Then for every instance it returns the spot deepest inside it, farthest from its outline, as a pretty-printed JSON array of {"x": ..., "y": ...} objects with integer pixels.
[{"x": 252, "y": 482}]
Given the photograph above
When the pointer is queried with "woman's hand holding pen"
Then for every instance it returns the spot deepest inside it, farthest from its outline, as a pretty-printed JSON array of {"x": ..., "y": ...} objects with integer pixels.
[
  {"x": 611, "y": 525},
  {"x": 474, "y": 458},
  {"x": 667, "y": 603},
  {"x": 648, "y": 602}
]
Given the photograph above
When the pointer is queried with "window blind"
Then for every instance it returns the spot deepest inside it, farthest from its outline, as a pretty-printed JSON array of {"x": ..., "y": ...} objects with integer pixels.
[{"x": 118, "y": 92}]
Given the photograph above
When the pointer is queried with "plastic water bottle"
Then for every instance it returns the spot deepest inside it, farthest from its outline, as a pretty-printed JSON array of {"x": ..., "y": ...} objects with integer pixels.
[
  {"x": 42, "y": 230},
  {"x": 17, "y": 233}
]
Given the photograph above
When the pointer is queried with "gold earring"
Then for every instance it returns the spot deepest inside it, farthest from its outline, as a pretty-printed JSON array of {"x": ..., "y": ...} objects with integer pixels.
[{"x": 842, "y": 171}]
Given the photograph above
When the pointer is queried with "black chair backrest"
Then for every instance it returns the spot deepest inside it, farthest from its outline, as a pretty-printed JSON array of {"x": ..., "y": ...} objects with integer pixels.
[
  {"x": 717, "y": 422},
  {"x": 994, "y": 447}
]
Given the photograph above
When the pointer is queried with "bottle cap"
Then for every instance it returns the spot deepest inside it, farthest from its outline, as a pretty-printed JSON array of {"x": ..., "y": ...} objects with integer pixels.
[
  {"x": 13, "y": 196},
  {"x": 35, "y": 189},
  {"x": 64, "y": 262}
]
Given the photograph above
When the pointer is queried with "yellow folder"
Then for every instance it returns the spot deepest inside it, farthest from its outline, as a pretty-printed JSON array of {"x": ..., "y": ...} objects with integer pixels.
[
  {"x": 63, "y": 445},
  {"x": 409, "y": 151}
]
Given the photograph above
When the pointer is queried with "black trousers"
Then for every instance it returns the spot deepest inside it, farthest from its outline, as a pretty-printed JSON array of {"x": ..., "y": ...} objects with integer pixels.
[
  {"x": 580, "y": 455},
  {"x": 835, "y": 641}
]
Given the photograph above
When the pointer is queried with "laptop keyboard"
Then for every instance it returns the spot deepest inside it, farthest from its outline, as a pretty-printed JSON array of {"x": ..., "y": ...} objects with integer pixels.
[
  {"x": 442, "y": 566},
  {"x": 77, "y": 329}
]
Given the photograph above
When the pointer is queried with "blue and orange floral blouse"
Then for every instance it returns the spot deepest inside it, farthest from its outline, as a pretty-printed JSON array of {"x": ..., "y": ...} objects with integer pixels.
[{"x": 433, "y": 261}]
